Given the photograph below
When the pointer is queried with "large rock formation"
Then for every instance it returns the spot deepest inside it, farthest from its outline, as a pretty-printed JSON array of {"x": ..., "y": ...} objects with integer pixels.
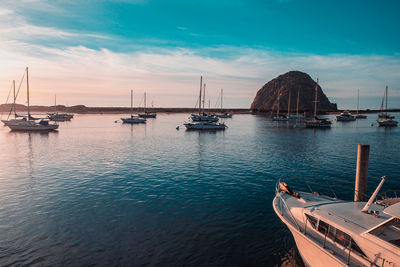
[{"x": 295, "y": 82}]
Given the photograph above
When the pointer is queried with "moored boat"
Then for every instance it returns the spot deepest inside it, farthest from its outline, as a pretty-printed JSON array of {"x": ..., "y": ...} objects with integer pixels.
[
  {"x": 145, "y": 113},
  {"x": 133, "y": 119},
  {"x": 384, "y": 119},
  {"x": 29, "y": 123},
  {"x": 205, "y": 126},
  {"x": 333, "y": 232},
  {"x": 345, "y": 116},
  {"x": 317, "y": 122}
]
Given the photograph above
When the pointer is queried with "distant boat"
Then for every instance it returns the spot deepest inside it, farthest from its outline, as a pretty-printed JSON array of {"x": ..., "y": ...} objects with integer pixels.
[
  {"x": 133, "y": 118},
  {"x": 278, "y": 116},
  {"x": 345, "y": 116},
  {"x": 317, "y": 122},
  {"x": 205, "y": 125},
  {"x": 386, "y": 120},
  {"x": 28, "y": 123},
  {"x": 55, "y": 116},
  {"x": 297, "y": 116},
  {"x": 146, "y": 114},
  {"x": 359, "y": 116},
  {"x": 223, "y": 115},
  {"x": 203, "y": 116}
]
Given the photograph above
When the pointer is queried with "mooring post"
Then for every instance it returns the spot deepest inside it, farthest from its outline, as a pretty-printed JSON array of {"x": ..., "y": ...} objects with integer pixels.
[{"x": 360, "y": 193}]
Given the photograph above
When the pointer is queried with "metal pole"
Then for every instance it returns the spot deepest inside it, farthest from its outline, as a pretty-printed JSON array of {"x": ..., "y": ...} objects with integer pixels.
[
  {"x": 201, "y": 88},
  {"x": 27, "y": 92},
  {"x": 15, "y": 108},
  {"x": 131, "y": 103},
  {"x": 362, "y": 173}
]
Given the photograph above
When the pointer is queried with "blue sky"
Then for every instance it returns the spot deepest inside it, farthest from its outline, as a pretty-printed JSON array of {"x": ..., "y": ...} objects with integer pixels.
[{"x": 94, "y": 52}]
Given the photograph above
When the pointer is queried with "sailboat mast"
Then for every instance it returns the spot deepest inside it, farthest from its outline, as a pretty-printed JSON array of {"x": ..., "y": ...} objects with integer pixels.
[
  {"x": 201, "y": 88},
  {"x": 27, "y": 92},
  {"x": 15, "y": 108},
  {"x": 277, "y": 112},
  {"x": 358, "y": 99},
  {"x": 288, "y": 113},
  {"x": 297, "y": 107},
  {"x": 204, "y": 96},
  {"x": 386, "y": 100},
  {"x": 144, "y": 102},
  {"x": 222, "y": 98},
  {"x": 55, "y": 103},
  {"x": 316, "y": 99},
  {"x": 131, "y": 103}
]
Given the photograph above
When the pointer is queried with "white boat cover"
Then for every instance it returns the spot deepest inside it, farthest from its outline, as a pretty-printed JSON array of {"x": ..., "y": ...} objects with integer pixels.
[{"x": 393, "y": 210}]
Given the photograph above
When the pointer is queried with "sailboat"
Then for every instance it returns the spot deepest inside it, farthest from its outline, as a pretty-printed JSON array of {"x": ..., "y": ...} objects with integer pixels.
[
  {"x": 359, "y": 116},
  {"x": 223, "y": 114},
  {"x": 133, "y": 118},
  {"x": 386, "y": 120},
  {"x": 317, "y": 122},
  {"x": 146, "y": 114},
  {"x": 55, "y": 116},
  {"x": 203, "y": 116},
  {"x": 203, "y": 121},
  {"x": 279, "y": 117},
  {"x": 297, "y": 116},
  {"x": 28, "y": 123}
]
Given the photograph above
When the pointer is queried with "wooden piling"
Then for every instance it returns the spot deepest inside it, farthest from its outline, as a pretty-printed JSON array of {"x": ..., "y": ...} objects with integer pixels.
[{"x": 360, "y": 193}]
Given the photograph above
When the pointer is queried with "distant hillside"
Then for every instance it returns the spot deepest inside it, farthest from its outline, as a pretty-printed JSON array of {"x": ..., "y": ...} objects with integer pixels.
[{"x": 293, "y": 82}]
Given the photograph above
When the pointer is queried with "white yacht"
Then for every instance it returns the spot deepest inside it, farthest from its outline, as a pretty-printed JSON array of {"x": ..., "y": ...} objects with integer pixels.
[
  {"x": 345, "y": 116},
  {"x": 29, "y": 123},
  {"x": 133, "y": 118},
  {"x": 333, "y": 232}
]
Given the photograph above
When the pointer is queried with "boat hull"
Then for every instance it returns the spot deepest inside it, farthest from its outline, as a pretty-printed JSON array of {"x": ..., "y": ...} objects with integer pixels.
[
  {"x": 33, "y": 128},
  {"x": 388, "y": 123},
  {"x": 204, "y": 118},
  {"x": 133, "y": 120},
  {"x": 204, "y": 126},
  {"x": 148, "y": 115}
]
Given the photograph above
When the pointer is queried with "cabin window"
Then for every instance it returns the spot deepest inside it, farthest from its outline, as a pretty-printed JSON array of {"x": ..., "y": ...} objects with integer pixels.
[
  {"x": 313, "y": 221},
  {"x": 339, "y": 237},
  {"x": 389, "y": 232}
]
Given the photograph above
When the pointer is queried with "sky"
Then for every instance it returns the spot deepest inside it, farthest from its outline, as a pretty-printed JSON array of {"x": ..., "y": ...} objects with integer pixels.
[{"x": 94, "y": 52}]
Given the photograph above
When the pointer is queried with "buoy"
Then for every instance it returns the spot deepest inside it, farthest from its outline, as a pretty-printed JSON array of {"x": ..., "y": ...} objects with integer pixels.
[{"x": 177, "y": 127}]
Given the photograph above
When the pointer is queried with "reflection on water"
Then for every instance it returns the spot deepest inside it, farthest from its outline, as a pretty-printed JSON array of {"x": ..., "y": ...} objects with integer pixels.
[{"x": 106, "y": 193}]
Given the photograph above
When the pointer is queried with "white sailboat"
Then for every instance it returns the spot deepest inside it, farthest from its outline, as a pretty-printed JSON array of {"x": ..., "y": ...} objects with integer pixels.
[
  {"x": 223, "y": 115},
  {"x": 359, "y": 116},
  {"x": 56, "y": 116},
  {"x": 203, "y": 116},
  {"x": 297, "y": 116},
  {"x": 204, "y": 121},
  {"x": 278, "y": 116},
  {"x": 385, "y": 119},
  {"x": 146, "y": 114},
  {"x": 28, "y": 123},
  {"x": 317, "y": 122},
  {"x": 134, "y": 118}
]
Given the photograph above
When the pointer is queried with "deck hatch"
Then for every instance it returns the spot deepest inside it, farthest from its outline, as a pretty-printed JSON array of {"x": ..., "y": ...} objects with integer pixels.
[{"x": 389, "y": 232}]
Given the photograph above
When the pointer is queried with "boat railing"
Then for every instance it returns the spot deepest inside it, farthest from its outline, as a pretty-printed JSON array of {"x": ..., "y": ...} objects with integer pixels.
[{"x": 282, "y": 200}]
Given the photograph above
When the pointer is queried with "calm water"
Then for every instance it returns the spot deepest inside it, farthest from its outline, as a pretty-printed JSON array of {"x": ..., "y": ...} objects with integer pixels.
[{"x": 104, "y": 193}]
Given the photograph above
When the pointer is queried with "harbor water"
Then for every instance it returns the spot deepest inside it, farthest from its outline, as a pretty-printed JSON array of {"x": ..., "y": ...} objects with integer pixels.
[{"x": 109, "y": 194}]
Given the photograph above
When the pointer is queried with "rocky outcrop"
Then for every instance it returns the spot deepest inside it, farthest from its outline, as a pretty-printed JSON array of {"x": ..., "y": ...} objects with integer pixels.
[{"x": 293, "y": 82}]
